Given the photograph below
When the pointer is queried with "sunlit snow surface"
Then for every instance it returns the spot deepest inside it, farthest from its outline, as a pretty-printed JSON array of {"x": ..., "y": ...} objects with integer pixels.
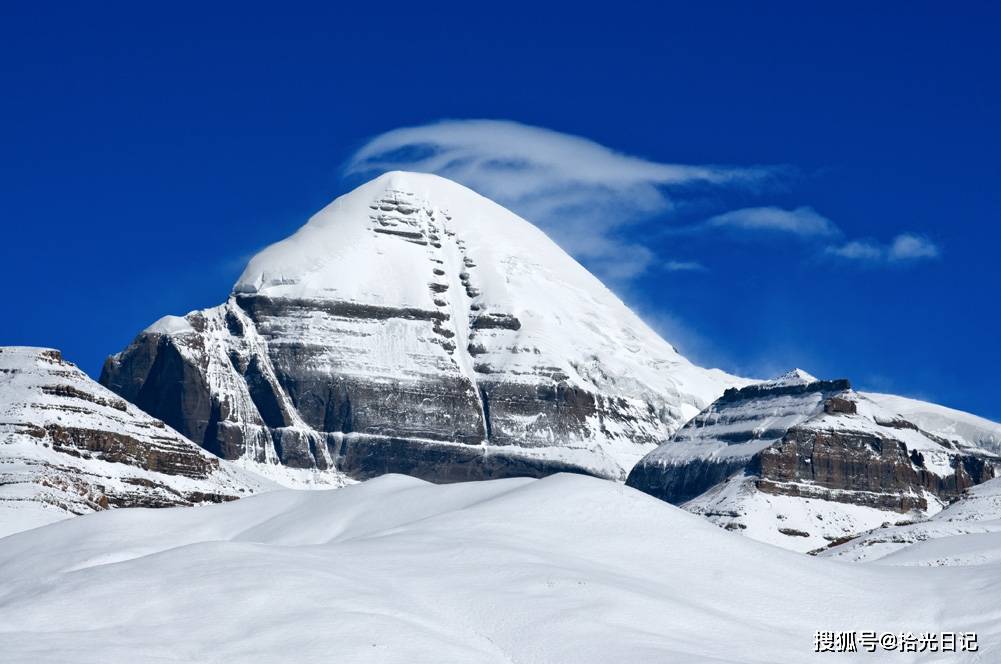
[
  {"x": 950, "y": 423},
  {"x": 564, "y": 569},
  {"x": 968, "y": 532}
]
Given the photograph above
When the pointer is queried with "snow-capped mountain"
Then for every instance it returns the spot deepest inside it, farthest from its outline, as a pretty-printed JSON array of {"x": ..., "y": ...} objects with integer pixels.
[
  {"x": 801, "y": 463},
  {"x": 415, "y": 326},
  {"x": 69, "y": 446}
]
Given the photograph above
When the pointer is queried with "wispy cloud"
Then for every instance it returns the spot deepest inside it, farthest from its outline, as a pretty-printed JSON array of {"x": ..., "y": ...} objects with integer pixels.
[
  {"x": 903, "y": 248},
  {"x": 480, "y": 149},
  {"x": 807, "y": 223},
  {"x": 581, "y": 192},
  {"x": 857, "y": 250},
  {"x": 910, "y": 247},
  {"x": 683, "y": 266},
  {"x": 597, "y": 202},
  {"x": 802, "y": 221}
]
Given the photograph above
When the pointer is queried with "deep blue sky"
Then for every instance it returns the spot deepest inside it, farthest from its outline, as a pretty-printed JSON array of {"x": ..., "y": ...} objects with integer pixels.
[{"x": 147, "y": 150}]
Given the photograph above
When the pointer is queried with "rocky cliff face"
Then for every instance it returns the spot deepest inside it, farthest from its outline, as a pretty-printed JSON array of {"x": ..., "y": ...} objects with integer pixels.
[
  {"x": 413, "y": 326},
  {"x": 69, "y": 446},
  {"x": 726, "y": 436},
  {"x": 802, "y": 462}
]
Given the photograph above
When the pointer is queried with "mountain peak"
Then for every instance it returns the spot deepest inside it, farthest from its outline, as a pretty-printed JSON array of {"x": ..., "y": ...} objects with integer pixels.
[
  {"x": 415, "y": 180},
  {"x": 792, "y": 377},
  {"x": 413, "y": 312},
  {"x": 362, "y": 246}
]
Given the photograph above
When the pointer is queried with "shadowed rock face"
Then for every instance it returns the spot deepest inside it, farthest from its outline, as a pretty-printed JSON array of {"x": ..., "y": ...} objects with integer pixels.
[
  {"x": 162, "y": 381},
  {"x": 281, "y": 397},
  {"x": 438, "y": 462},
  {"x": 415, "y": 327},
  {"x": 679, "y": 483}
]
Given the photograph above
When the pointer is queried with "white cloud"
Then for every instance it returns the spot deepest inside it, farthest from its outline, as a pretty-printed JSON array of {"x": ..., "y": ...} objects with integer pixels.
[
  {"x": 803, "y": 221},
  {"x": 858, "y": 250},
  {"x": 807, "y": 223},
  {"x": 907, "y": 246},
  {"x": 476, "y": 149},
  {"x": 904, "y": 247},
  {"x": 683, "y": 266},
  {"x": 579, "y": 191},
  {"x": 595, "y": 201}
]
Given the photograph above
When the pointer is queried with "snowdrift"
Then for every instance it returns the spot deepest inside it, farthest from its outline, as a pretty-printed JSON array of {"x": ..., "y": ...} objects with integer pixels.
[{"x": 563, "y": 569}]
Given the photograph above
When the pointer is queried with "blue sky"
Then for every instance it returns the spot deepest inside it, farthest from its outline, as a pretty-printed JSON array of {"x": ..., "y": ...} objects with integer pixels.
[{"x": 786, "y": 185}]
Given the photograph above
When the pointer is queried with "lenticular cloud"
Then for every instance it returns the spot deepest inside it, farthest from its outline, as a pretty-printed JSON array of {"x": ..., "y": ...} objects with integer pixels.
[{"x": 581, "y": 192}]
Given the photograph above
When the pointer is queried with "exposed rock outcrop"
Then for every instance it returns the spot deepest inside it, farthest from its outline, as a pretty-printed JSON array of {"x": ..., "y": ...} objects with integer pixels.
[
  {"x": 815, "y": 457},
  {"x": 69, "y": 446}
]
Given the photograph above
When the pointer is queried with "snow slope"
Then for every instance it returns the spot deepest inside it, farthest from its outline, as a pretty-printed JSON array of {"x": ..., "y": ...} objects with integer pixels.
[
  {"x": 797, "y": 523},
  {"x": 967, "y": 532},
  {"x": 69, "y": 446},
  {"x": 955, "y": 425},
  {"x": 563, "y": 569}
]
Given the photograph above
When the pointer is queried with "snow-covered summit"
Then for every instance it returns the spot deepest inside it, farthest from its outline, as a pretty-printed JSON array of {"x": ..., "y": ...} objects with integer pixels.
[
  {"x": 341, "y": 252},
  {"x": 792, "y": 377},
  {"x": 415, "y": 316},
  {"x": 170, "y": 325}
]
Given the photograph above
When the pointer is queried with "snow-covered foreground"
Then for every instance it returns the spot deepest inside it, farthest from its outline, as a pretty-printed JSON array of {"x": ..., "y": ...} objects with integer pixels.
[{"x": 563, "y": 569}]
